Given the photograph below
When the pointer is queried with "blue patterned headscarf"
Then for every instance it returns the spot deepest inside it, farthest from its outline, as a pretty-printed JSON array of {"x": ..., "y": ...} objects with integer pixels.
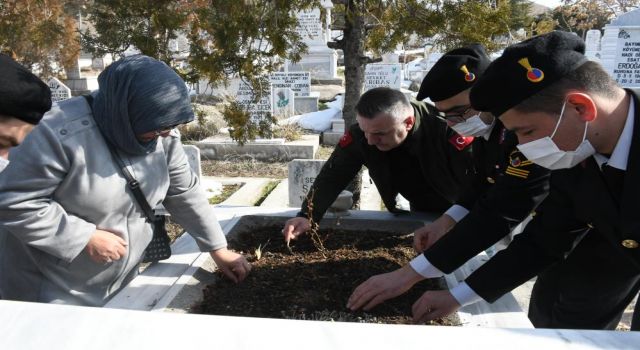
[{"x": 139, "y": 94}]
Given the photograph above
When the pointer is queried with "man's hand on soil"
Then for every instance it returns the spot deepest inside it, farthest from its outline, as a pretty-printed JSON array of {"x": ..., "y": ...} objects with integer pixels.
[
  {"x": 382, "y": 287},
  {"x": 434, "y": 304},
  {"x": 295, "y": 227}
]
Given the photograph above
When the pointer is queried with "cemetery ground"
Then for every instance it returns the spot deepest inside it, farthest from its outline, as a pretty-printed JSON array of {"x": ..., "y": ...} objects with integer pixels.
[{"x": 313, "y": 277}]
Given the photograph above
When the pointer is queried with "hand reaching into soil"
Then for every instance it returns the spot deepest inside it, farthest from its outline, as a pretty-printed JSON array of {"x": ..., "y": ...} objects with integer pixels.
[
  {"x": 381, "y": 287},
  {"x": 232, "y": 264},
  {"x": 295, "y": 227},
  {"x": 104, "y": 247},
  {"x": 434, "y": 304},
  {"x": 426, "y": 236}
]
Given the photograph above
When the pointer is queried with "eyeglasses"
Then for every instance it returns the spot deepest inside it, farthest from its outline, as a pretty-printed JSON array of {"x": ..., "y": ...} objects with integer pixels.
[
  {"x": 456, "y": 117},
  {"x": 164, "y": 130},
  {"x": 151, "y": 135}
]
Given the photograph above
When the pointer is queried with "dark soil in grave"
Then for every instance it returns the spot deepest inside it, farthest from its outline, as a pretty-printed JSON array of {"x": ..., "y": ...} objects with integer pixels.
[{"x": 304, "y": 284}]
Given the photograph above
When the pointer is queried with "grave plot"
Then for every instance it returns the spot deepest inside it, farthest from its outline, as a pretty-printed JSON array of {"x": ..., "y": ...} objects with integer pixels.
[{"x": 313, "y": 277}]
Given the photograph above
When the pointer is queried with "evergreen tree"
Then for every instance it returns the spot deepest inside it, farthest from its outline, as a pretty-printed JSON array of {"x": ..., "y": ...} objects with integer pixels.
[{"x": 40, "y": 34}]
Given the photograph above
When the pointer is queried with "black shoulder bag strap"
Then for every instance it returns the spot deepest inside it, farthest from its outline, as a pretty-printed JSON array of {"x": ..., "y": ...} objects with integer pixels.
[{"x": 132, "y": 183}]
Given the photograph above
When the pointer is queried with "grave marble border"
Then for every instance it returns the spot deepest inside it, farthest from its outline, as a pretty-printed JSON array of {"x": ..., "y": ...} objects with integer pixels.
[
  {"x": 53, "y": 327},
  {"x": 160, "y": 283}
]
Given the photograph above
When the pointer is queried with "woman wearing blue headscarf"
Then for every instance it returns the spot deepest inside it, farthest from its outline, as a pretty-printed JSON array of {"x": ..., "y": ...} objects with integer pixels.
[{"x": 76, "y": 233}]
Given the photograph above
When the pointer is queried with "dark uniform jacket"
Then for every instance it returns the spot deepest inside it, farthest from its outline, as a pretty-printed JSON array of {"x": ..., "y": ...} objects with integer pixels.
[
  {"x": 579, "y": 202},
  {"x": 429, "y": 168},
  {"x": 506, "y": 189}
]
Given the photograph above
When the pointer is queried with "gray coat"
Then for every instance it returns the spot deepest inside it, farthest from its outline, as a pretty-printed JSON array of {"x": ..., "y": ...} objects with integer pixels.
[{"x": 63, "y": 184}]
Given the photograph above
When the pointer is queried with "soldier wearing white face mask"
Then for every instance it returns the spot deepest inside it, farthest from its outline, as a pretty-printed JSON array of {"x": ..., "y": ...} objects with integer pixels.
[
  {"x": 546, "y": 153},
  {"x": 505, "y": 189},
  {"x": 569, "y": 116}
]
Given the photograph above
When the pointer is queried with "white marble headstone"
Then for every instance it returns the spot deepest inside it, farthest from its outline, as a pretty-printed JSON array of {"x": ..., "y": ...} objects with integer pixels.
[
  {"x": 193, "y": 155},
  {"x": 302, "y": 174},
  {"x": 283, "y": 102},
  {"x": 299, "y": 82},
  {"x": 625, "y": 68},
  {"x": 620, "y": 52},
  {"x": 257, "y": 110},
  {"x": 310, "y": 27},
  {"x": 382, "y": 75},
  {"x": 59, "y": 91},
  {"x": 592, "y": 40}
]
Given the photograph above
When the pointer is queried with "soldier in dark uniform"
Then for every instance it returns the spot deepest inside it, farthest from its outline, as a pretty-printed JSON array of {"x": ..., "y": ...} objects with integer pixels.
[
  {"x": 506, "y": 187},
  {"x": 570, "y": 117},
  {"x": 407, "y": 150}
]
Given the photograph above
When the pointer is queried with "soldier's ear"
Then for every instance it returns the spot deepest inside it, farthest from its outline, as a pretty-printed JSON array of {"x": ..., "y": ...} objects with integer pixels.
[
  {"x": 584, "y": 106},
  {"x": 409, "y": 122}
]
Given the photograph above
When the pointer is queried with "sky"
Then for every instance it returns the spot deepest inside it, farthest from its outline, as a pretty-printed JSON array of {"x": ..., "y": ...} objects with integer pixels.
[{"x": 548, "y": 3}]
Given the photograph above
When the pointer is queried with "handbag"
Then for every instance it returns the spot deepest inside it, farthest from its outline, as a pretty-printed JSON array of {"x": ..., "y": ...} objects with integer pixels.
[{"x": 160, "y": 246}]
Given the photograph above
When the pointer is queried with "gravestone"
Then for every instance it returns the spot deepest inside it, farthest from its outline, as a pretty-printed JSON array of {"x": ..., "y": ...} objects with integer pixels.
[
  {"x": 193, "y": 155},
  {"x": 302, "y": 174},
  {"x": 59, "y": 91},
  {"x": 592, "y": 40},
  {"x": 337, "y": 125},
  {"x": 257, "y": 109},
  {"x": 620, "y": 53},
  {"x": 382, "y": 75},
  {"x": 299, "y": 82},
  {"x": 310, "y": 27},
  {"x": 592, "y": 45},
  {"x": 78, "y": 84},
  {"x": 320, "y": 60},
  {"x": 283, "y": 102}
]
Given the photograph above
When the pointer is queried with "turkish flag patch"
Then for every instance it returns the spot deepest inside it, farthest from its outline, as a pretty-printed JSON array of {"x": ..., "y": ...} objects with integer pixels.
[
  {"x": 460, "y": 142},
  {"x": 346, "y": 139}
]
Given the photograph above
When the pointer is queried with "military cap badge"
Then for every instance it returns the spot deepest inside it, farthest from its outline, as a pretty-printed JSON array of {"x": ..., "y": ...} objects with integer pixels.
[
  {"x": 468, "y": 76},
  {"x": 534, "y": 75}
]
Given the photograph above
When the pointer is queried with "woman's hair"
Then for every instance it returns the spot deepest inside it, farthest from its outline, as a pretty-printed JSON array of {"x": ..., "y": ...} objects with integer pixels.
[{"x": 590, "y": 78}]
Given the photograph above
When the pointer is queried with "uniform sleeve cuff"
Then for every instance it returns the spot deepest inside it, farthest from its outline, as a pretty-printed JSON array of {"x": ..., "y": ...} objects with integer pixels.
[
  {"x": 424, "y": 268},
  {"x": 464, "y": 295},
  {"x": 457, "y": 212}
]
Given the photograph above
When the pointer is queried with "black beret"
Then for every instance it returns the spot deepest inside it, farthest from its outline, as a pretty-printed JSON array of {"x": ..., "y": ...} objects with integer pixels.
[
  {"x": 22, "y": 94},
  {"x": 525, "y": 69},
  {"x": 455, "y": 71}
]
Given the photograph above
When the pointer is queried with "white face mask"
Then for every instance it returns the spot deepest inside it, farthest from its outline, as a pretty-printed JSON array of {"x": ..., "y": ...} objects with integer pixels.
[
  {"x": 473, "y": 126},
  {"x": 546, "y": 153}
]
